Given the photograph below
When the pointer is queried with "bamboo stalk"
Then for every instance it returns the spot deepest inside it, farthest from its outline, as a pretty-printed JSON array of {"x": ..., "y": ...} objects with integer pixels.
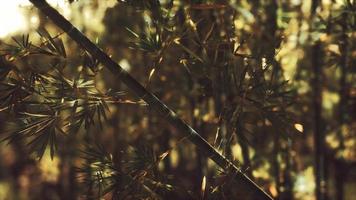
[
  {"x": 319, "y": 133},
  {"x": 253, "y": 191}
]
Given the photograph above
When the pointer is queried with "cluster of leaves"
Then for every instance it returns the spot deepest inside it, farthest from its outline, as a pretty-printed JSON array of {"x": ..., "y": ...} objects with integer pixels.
[
  {"x": 42, "y": 101},
  {"x": 136, "y": 177}
]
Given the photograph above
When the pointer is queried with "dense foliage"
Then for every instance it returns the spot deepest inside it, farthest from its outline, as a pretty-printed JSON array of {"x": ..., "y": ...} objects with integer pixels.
[{"x": 269, "y": 84}]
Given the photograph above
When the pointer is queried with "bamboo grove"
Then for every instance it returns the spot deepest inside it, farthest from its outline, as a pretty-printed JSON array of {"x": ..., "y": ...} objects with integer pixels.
[{"x": 180, "y": 100}]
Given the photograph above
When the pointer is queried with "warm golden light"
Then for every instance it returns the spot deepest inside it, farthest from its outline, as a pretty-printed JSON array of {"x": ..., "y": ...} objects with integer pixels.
[
  {"x": 299, "y": 127},
  {"x": 13, "y": 19}
]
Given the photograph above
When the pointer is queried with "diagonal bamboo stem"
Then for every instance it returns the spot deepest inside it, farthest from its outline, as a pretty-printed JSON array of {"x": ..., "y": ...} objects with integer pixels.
[{"x": 250, "y": 188}]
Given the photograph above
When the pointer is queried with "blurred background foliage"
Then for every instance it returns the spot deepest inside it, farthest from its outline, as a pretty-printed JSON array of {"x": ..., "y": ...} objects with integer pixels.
[{"x": 271, "y": 84}]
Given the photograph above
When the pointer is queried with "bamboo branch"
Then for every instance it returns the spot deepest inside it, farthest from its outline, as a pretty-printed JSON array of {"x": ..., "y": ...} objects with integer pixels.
[{"x": 252, "y": 190}]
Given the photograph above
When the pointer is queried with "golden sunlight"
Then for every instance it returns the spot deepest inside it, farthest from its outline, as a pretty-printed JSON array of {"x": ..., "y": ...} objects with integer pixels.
[{"x": 13, "y": 19}]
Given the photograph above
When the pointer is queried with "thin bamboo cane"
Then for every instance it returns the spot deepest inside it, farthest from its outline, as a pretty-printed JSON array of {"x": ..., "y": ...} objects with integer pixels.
[{"x": 252, "y": 190}]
